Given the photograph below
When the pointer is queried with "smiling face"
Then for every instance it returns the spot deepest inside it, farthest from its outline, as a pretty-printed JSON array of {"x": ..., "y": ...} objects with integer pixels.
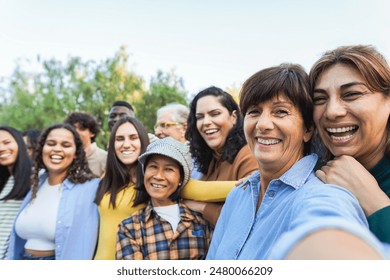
[
  {"x": 166, "y": 126},
  {"x": 8, "y": 150},
  {"x": 351, "y": 119},
  {"x": 127, "y": 144},
  {"x": 58, "y": 153},
  {"x": 162, "y": 178},
  {"x": 276, "y": 134},
  {"x": 214, "y": 121}
]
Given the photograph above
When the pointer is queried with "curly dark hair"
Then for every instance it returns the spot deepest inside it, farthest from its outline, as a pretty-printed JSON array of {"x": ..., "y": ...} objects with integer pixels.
[
  {"x": 78, "y": 171},
  {"x": 85, "y": 121},
  {"x": 235, "y": 140},
  {"x": 21, "y": 170},
  {"x": 118, "y": 175}
]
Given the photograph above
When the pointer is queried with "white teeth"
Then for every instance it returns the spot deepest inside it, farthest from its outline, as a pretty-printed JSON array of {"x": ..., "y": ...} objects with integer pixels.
[
  {"x": 210, "y": 131},
  {"x": 342, "y": 137},
  {"x": 340, "y": 129},
  {"x": 56, "y": 157},
  {"x": 268, "y": 141},
  {"x": 127, "y": 152},
  {"x": 5, "y": 155},
  {"x": 156, "y": 186}
]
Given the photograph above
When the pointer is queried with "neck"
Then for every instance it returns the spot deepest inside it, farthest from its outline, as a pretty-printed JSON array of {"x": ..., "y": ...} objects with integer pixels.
[
  {"x": 55, "y": 178},
  {"x": 87, "y": 148},
  {"x": 371, "y": 160},
  {"x": 133, "y": 174},
  {"x": 10, "y": 168}
]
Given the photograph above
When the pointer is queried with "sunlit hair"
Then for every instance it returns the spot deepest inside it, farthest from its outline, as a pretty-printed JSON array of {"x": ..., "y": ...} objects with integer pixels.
[
  {"x": 286, "y": 79},
  {"x": 78, "y": 171},
  {"x": 21, "y": 170},
  {"x": 371, "y": 64},
  {"x": 180, "y": 112},
  {"x": 117, "y": 175},
  {"x": 235, "y": 140}
]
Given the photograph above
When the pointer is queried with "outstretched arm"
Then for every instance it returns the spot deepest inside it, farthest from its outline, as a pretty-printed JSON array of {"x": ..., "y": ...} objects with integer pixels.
[
  {"x": 207, "y": 191},
  {"x": 333, "y": 244}
]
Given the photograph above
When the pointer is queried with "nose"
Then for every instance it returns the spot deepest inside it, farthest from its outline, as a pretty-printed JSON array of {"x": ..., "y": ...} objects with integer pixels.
[
  {"x": 206, "y": 120},
  {"x": 264, "y": 122},
  {"x": 334, "y": 109},
  {"x": 158, "y": 175},
  {"x": 126, "y": 143},
  {"x": 57, "y": 147},
  {"x": 158, "y": 131}
]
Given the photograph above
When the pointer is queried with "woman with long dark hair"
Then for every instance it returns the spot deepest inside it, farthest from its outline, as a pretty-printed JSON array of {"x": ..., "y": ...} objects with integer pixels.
[
  {"x": 217, "y": 143},
  {"x": 116, "y": 192},
  {"x": 15, "y": 172}
]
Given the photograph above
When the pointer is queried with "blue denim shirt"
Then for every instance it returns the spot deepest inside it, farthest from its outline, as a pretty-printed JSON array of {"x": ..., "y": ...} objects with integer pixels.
[
  {"x": 295, "y": 204},
  {"x": 77, "y": 222}
]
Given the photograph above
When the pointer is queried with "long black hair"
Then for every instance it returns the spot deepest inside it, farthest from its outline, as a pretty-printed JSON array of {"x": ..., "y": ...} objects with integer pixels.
[
  {"x": 117, "y": 175},
  {"x": 21, "y": 170},
  {"x": 235, "y": 140}
]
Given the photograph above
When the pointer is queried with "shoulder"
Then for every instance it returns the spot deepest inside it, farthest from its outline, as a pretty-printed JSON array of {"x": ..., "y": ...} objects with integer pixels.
[
  {"x": 101, "y": 152},
  {"x": 89, "y": 186},
  {"x": 245, "y": 155},
  {"x": 135, "y": 218},
  {"x": 244, "y": 152}
]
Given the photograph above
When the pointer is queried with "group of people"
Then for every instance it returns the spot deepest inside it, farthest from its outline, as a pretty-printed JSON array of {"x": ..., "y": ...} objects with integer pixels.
[{"x": 299, "y": 169}]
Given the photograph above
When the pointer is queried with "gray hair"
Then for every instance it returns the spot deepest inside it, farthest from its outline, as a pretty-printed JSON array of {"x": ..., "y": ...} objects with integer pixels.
[{"x": 180, "y": 112}]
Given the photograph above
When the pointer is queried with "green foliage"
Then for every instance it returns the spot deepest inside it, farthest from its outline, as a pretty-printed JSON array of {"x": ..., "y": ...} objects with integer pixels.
[
  {"x": 164, "y": 88},
  {"x": 37, "y": 100}
]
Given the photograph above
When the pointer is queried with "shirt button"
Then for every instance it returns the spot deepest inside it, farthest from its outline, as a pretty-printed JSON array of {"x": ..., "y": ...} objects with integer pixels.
[{"x": 271, "y": 193}]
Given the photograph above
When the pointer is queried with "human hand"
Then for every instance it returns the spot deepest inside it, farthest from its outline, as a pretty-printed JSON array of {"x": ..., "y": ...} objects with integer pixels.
[
  {"x": 347, "y": 172},
  {"x": 196, "y": 206}
]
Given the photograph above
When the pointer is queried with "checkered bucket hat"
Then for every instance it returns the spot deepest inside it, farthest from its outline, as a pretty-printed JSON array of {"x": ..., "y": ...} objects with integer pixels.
[{"x": 171, "y": 148}]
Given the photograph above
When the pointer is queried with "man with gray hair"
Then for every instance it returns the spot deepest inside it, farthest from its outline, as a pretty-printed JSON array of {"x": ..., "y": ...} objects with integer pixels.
[{"x": 172, "y": 121}]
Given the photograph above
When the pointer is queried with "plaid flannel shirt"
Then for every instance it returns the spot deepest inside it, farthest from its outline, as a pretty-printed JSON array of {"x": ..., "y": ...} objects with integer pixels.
[{"x": 145, "y": 235}]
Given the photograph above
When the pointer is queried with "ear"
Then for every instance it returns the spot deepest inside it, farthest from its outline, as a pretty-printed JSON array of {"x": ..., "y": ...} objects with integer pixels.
[
  {"x": 234, "y": 115},
  {"x": 308, "y": 134}
]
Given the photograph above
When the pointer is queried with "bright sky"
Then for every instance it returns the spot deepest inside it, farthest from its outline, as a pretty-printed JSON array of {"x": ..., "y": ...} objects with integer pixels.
[{"x": 206, "y": 42}]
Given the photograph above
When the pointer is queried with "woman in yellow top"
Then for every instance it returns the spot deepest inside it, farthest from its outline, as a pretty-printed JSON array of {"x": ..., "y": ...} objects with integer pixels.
[{"x": 116, "y": 192}]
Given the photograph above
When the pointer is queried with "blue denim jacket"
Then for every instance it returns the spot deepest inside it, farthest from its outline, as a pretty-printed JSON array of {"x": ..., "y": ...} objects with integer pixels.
[
  {"x": 77, "y": 223},
  {"x": 294, "y": 205}
]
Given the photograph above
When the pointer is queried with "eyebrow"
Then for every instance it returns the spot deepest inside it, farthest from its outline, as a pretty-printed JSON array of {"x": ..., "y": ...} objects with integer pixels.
[
  {"x": 124, "y": 135},
  {"x": 342, "y": 87},
  {"x": 352, "y": 84}
]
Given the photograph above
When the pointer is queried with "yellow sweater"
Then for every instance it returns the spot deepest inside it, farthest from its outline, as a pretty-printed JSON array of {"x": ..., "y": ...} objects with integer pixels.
[{"x": 110, "y": 219}]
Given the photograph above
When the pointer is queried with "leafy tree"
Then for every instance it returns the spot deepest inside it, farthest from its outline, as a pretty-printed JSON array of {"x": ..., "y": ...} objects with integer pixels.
[
  {"x": 234, "y": 91},
  {"x": 164, "y": 88},
  {"x": 35, "y": 100}
]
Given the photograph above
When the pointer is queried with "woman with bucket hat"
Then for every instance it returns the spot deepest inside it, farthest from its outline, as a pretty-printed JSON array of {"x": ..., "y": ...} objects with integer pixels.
[{"x": 166, "y": 228}]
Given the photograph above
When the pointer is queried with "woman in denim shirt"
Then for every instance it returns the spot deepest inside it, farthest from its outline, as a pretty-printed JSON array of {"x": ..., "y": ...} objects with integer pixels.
[
  {"x": 58, "y": 218},
  {"x": 283, "y": 209}
]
